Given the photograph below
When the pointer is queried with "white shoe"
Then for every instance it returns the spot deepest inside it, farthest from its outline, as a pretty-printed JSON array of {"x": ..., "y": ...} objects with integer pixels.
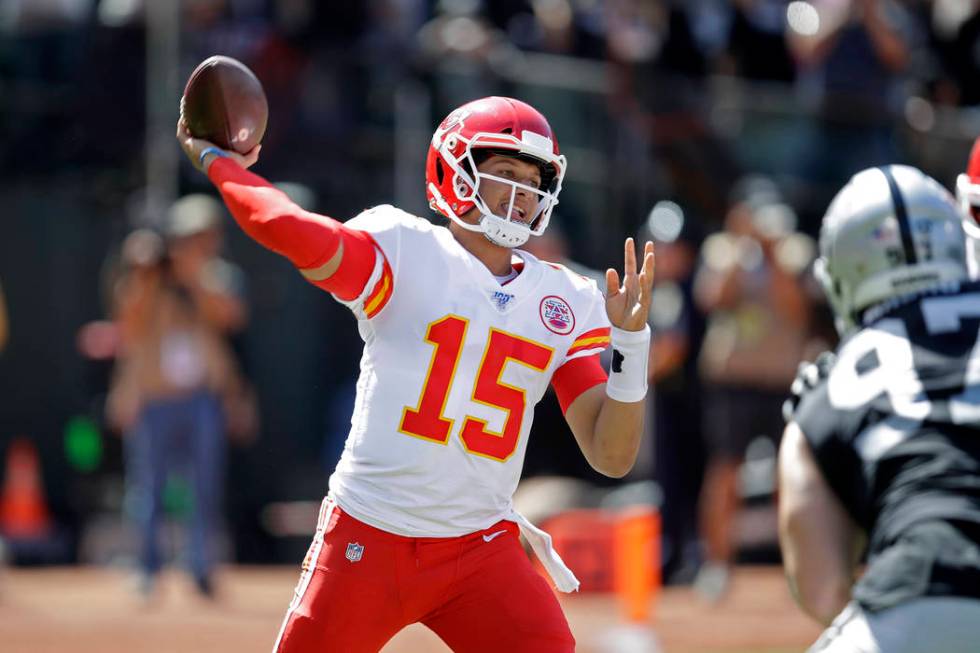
[
  {"x": 712, "y": 581},
  {"x": 628, "y": 638}
]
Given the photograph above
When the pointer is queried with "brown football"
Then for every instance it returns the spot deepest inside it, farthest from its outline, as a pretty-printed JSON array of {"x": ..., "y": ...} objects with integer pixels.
[{"x": 224, "y": 103}]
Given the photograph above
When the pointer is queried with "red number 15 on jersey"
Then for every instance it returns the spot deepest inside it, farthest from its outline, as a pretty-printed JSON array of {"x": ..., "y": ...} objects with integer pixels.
[{"x": 427, "y": 421}]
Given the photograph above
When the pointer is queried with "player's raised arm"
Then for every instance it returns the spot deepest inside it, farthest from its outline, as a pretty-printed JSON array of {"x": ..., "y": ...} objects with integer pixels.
[
  {"x": 608, "y": 424},
  {"x": 327, "y": 253}
]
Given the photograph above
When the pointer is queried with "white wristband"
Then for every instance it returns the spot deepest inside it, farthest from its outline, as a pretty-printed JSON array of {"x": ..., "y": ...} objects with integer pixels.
[{"x": 630, "y": 359}]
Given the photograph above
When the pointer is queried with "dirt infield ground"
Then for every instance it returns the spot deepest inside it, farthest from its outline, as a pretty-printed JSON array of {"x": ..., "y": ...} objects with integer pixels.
[{"x": 83, "y": 610}]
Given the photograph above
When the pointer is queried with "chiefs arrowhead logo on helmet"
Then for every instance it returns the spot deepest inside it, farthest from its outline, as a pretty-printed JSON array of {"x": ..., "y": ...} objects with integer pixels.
[{"x": 453, "y": 122}]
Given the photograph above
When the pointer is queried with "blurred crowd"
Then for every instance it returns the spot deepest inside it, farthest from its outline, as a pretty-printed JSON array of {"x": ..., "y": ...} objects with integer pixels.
[
  {"x": 331, "y": 68},
  {"x": 717, "y": 128}
]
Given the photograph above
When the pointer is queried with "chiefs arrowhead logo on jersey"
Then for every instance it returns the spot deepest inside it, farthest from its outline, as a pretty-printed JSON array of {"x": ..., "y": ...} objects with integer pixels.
[{"x": 557, "y": 315}]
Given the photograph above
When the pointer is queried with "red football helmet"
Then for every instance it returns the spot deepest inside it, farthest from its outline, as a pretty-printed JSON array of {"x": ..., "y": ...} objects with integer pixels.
[
  {"x": 968, "y": 194},
  {"x": 506, "y": 126}
]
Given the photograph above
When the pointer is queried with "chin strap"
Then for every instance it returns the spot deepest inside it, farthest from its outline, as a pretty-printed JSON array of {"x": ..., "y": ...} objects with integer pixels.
[{"x": 496, "y": 231}]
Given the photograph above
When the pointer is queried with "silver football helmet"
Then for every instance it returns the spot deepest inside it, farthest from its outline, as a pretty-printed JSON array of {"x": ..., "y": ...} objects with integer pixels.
[{"x": 891, "y": 231}]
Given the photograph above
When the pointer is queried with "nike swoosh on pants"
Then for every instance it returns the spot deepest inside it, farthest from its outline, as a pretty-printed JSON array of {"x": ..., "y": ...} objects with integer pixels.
[{"x": 487, "y": 538}]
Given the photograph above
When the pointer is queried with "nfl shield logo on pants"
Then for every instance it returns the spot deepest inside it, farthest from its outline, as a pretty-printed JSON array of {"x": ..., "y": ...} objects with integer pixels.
[{"x": 355, "y": 551}]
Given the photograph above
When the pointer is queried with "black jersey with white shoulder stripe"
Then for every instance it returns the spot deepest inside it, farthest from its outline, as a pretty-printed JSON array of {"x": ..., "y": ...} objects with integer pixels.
[{"x": 895, "y": 430}]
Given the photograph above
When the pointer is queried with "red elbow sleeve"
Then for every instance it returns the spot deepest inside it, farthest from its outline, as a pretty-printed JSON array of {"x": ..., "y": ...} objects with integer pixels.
[
  {"x": 359, "y": 258},
  {"x": 272, "y": 219},
  {"x": 307, "y": 239}
]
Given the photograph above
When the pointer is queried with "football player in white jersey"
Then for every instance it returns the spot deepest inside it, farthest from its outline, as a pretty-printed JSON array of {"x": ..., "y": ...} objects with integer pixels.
[{"x": 462, "y": 335}]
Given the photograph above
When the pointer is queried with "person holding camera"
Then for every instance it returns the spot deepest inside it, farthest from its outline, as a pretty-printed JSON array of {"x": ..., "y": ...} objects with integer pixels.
[{"x": 175, "y": 303}]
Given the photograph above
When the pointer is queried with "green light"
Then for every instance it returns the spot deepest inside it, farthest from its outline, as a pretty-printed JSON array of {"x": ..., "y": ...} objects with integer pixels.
[
  {"x": 178, "y": 498},
  {"x": 83, "y": 444}
]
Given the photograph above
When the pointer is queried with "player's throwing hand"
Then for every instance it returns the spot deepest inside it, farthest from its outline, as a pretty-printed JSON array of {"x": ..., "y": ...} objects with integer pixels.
[
  {"x": 202, "y": 152},
  {"x": 627, "y": 305}
]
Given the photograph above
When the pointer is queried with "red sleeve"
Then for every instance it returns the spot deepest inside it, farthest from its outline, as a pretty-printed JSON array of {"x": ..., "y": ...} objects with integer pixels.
[
  {"x": 307, "y": 239},
  {"x": 575, "y": 377}
]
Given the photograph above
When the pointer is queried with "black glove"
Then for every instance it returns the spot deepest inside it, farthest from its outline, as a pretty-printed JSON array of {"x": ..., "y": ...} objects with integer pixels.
[{"x": 808, "y": 375}]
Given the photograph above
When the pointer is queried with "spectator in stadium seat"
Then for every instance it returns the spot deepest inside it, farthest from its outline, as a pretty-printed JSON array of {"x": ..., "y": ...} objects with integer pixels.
[{"x": 852, "y": 68}]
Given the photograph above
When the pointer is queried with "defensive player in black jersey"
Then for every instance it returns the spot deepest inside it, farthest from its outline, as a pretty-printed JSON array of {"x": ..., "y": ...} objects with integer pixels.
[{"x": 879, "y": 467}]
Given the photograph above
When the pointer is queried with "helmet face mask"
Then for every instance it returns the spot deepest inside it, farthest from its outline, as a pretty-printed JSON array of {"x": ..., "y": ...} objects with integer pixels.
[
  {"x": 889, "y": 233},
  {"x": 502, "y": 126}
]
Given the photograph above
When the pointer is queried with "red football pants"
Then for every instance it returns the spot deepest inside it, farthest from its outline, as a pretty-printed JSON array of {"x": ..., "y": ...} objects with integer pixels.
[{"x": 478, "y": 592}]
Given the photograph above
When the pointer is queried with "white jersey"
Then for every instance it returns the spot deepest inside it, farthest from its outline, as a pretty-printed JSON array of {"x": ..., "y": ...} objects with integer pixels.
[{"x": 452, "y": 368}]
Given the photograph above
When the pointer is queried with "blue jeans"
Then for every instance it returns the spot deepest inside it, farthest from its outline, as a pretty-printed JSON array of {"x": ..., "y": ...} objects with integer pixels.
[{"x": 185, "y": 434}]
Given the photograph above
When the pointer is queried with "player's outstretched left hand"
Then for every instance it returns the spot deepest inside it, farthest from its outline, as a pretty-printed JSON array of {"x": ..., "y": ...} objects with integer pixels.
[{"x": 628, "y": 305}]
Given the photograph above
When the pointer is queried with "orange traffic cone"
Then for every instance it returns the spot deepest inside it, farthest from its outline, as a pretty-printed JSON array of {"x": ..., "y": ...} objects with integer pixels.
[
  {"x": 23, "y": 511},
  {"x": 636, "y": 580},
  {"x": 636, "y": 574}
]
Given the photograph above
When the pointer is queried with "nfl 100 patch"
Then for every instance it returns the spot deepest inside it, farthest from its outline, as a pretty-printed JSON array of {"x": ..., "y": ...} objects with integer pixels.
[{"x": 500, "y": 298}]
